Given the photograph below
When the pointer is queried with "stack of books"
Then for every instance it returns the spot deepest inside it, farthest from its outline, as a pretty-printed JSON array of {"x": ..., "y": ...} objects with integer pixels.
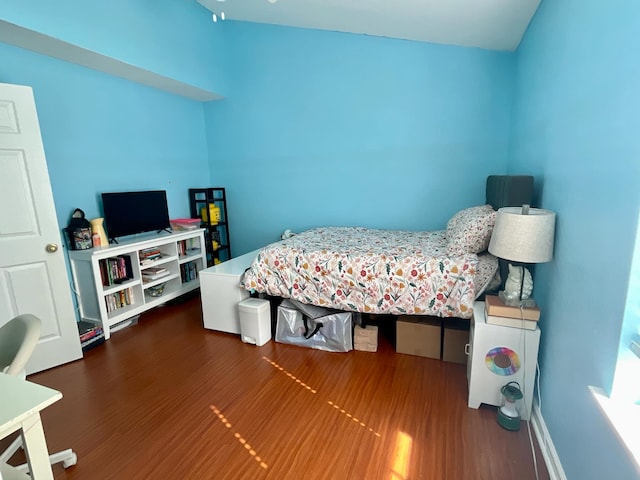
[
  {"x": 149, "y": 255},
  {"x": 498, "y": 313},
  {"x": 91, "y": 335},
  {"x": 153, "y": 273}
]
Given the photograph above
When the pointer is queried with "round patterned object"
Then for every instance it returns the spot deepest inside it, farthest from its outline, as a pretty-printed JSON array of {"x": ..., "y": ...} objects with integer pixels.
[{"x": 502, "y": 361}]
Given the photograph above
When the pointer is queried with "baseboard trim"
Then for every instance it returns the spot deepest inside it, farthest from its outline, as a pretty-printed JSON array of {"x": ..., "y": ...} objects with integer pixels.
[{"x": 548, "y": 450}]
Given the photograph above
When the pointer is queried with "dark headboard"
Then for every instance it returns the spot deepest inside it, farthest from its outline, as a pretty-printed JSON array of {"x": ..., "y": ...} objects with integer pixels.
[{"x": 509, "y": 190}]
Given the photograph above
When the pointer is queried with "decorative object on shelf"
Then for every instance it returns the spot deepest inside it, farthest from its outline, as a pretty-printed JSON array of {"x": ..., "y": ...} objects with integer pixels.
[
  {"x": 523, "y": 235},
  {"x": 156, "y": 290},
  {"x": 508, "y": 413},
  {"x": 79, "y": 231},
  {"x": 98, "y": 233},
  {"x": 519, "y": 284},
  {"x": 212, "y": 215},
  {"x": 502, "y": 361}
]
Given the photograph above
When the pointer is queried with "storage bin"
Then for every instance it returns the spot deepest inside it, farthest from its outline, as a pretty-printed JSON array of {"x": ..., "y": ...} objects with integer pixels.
[
  {"x": 255, "y": 321},
  {"x": 455, "y": 337},
  {"x": 365, "y": 339},
  {"x": 419, "y": 335},
  {"x": 331, "y": 333}
]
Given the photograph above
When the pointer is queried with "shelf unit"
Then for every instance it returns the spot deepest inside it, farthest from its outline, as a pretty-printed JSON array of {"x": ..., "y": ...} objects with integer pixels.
[
  {"x": 111, "y": 284},
  {"x": 201, "y": 201}
]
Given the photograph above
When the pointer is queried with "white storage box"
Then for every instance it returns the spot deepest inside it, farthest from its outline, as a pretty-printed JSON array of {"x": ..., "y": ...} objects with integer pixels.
[
  {"x": 255, "y": 321},
  {"x": 220, "y": 292}
]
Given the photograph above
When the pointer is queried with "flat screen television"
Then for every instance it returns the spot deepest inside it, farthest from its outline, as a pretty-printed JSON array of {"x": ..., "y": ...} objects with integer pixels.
[{"x": 128, "y": 213}]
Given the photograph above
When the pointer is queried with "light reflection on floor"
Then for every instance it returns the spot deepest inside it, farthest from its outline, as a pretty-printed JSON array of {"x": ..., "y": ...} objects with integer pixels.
[
  {"x": 402, "y": 450},
  {"x": 291, "y": 376},
  {"x": 239, "y": 438},
  {"x": 401, "y": 457},
  {"x": 337, "y": 407},
  {"x": 348, "y": 415}
]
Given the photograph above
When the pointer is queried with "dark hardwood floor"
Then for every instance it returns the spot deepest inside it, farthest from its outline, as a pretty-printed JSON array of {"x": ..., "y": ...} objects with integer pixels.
[{"x": 167, "y": 399}]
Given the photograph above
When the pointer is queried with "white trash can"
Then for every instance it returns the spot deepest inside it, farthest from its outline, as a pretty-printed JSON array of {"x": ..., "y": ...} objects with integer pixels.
[{"x": 255, "y": 321}]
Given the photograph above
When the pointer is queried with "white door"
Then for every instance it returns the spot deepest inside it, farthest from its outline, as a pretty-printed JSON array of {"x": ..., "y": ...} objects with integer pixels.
[{"x": 33, "y": 276}]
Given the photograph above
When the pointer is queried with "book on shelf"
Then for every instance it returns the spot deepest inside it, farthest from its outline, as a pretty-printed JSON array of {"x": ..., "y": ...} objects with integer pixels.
[
  {"x": 148, "y": 277},
  {"x": 119, "y": 299},
  {"x": 153, "y": 270},
  {"x": 149, "y": 255},
  {"x": 510, "y": 321},
  {"x": 496, "y": 307},
  {"x": 150, "y": 260},
  {"x": 115, "y": 270},
  {"x": 188, "y": 272},
  {"x": 190, "y": 246}
]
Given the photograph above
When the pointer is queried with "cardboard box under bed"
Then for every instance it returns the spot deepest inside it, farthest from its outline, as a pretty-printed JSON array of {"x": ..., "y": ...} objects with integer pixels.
[{"x": 433, "y": 337}]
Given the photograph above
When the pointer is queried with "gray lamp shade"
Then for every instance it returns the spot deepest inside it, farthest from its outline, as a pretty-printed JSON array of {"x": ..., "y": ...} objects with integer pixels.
[{"x": 523, "y": 237}]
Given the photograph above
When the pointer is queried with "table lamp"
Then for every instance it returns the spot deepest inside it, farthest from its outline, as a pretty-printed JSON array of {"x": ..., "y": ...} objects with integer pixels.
[{"x": 522, "y": 235}]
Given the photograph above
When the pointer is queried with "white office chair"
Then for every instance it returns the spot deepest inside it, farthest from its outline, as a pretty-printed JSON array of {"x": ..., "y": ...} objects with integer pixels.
[{"x": 18, "y": 339}]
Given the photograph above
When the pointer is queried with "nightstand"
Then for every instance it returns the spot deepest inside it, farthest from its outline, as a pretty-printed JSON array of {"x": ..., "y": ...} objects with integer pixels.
[{"x": 499, "y": 355}]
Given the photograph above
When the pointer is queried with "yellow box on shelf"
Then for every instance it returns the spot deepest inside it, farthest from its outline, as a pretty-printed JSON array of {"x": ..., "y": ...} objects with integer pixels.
[{"x": 213, "y": 213}]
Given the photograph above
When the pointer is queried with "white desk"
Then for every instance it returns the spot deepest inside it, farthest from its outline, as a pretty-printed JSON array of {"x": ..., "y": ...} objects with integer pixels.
[{"x": 20, "y": 405}]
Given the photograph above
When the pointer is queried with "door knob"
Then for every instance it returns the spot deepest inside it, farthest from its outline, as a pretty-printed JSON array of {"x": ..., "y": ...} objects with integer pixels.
[{"x": 52, "y": 247}]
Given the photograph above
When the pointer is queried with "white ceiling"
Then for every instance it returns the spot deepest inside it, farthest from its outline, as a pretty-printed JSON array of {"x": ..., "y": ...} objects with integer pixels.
[{"x": 490, "y": 24}]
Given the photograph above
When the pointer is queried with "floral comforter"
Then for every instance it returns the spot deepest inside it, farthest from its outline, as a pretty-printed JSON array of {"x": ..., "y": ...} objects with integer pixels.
[{"x": 370, "y": 271}]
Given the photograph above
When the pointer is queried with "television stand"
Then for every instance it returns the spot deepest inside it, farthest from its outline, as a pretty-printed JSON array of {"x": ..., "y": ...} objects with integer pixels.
[{"x": 119, "y": 281}]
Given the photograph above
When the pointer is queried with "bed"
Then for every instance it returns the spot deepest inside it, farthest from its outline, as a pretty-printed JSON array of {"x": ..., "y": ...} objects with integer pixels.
[{"x": 392, "y": 272}]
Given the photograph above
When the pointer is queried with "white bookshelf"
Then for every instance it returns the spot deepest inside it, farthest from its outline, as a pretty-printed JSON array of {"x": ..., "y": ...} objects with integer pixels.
[{"x": 183, "y": 255}]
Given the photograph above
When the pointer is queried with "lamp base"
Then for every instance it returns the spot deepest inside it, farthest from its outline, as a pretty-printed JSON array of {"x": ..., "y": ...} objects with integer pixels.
[
  {"x": 507, "y": 422},
  {"x": 524, "y": 303}
]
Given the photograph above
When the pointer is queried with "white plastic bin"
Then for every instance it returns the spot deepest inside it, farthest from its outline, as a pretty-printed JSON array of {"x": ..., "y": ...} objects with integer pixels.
[{"x": 255, "y": 321}]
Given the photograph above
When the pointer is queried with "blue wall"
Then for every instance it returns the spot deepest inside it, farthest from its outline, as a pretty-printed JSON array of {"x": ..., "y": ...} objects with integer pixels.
[
  {"x": 102, "y": 133},
  {"x": 575, "y": 126},
  {"x": 174, "y": 38},
  {"x": 324, "y": 128}
]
